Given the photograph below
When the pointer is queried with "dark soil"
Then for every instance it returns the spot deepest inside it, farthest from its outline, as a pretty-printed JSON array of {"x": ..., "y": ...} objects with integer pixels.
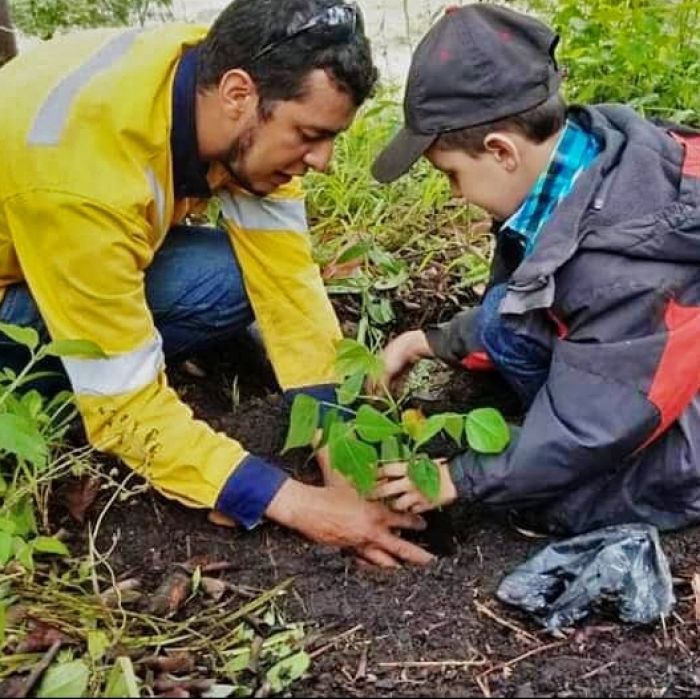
[{"x": 434, "y": 615}]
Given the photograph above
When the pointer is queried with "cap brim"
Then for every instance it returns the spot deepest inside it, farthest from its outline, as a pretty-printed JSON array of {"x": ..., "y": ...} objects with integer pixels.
[{"x": 396, "y": 159}]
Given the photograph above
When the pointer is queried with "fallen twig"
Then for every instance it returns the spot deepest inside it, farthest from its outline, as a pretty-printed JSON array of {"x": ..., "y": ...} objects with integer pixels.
[
  {"x": 597, "y": 671},
  {"x": 483, "y": 609},
  {"x": 333, "y": 641},
  {"x": 520, "y": 658},
  {"x": 39, "y": 669},
  {"x": 696, "y": 589},
  {"x": 483, "y": 685},
  {"x": 435, "y": 663}
]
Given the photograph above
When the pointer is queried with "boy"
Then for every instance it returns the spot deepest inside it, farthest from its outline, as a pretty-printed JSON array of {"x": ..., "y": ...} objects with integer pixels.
[{"x": 593, "y": 308}]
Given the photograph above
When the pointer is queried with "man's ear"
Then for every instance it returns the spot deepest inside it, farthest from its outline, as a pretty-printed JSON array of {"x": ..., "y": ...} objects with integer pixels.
[
  {"x": 503, "y": 149},
  {"x": 237, "y": 93}
]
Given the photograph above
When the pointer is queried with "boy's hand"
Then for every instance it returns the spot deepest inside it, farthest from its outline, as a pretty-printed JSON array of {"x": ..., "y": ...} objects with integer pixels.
[
  {"x": 402, "y": 352},
  {"x": 397, "y": 489}
]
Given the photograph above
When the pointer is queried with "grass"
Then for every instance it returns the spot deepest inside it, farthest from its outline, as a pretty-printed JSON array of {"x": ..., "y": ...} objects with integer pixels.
[{"x": 347, "y": 202}]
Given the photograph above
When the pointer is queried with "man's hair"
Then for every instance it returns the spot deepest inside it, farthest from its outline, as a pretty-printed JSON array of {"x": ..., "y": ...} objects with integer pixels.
[
  {"x": 245, "y": 27},
  {"x": 536, "y": 124}
]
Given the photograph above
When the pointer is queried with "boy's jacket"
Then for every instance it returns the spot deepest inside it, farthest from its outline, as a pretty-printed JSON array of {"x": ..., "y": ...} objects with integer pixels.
[{"x": 613, "y": 287}]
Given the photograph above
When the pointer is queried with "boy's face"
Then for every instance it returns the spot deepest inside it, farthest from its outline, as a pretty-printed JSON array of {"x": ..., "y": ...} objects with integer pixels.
[{"x": 495, "y": 180}]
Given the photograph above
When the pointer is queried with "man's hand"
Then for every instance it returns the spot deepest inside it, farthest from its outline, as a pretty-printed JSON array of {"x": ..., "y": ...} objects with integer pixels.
[
  {"x": 394, "y": 485},
  {"x": 340, "y": 517},
  {"x": 402, "y": 352}
]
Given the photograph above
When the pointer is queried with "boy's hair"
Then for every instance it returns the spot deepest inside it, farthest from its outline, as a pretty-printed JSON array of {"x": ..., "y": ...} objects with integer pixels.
[
  {"x": 536, "y": 124},
  {"x": 245, "y": 27}
]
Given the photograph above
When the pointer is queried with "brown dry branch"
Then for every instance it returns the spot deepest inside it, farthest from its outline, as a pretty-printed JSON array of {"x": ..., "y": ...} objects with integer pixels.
[
  {"x": 39, "y": 669},
  {"x": 340, "y": 637},
  {"x": 482, "y": 679},
  {"x": 520, "y": 632}
]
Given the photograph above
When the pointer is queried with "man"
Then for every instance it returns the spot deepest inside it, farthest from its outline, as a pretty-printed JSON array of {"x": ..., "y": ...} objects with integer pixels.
[
  {"x": 112, "y": 138},
  {"x": 593, "y": 311}
]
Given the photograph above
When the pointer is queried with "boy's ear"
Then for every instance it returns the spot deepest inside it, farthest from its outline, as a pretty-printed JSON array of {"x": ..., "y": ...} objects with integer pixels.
[{"x": 503, "y": 149}]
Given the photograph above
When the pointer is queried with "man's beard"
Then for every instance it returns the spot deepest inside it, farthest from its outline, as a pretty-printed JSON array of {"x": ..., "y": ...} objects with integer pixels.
[{"x": 234, "y": 161}]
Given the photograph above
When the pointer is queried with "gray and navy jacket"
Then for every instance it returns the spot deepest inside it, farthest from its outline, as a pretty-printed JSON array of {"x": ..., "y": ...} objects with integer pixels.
[{"x": 613, "y": 287}]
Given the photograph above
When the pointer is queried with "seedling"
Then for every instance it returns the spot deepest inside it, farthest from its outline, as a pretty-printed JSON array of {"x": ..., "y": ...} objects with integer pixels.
[{"x": 362, "y": 440}]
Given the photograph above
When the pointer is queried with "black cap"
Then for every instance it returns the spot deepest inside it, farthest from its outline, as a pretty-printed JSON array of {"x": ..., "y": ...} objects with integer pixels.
[{"x": 478, "y": 64}]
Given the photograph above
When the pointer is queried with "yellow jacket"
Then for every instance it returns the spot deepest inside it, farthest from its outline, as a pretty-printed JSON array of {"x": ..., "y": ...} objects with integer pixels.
[{"x": 86, "y": 199}]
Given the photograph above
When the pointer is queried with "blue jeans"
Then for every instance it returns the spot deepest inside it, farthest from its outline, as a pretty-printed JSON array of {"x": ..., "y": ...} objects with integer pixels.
[
  {"x": 194, "y": 289},
  {"x": 521, "y": 360}
]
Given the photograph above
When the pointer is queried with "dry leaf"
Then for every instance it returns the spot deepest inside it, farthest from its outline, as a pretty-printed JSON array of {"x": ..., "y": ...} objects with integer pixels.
[
  {"x": 41, "y": 637},
  {"x": 179, "y": 662},
  {"x": 214, "y": 587},
  {"x": 696, "y": 590},
  {"x": 171, "y": 594},
  {"x": 342, "y": 270}
]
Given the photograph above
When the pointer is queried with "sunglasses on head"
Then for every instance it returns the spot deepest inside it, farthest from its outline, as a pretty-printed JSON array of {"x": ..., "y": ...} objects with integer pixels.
[{"x": 337, "y": 23}]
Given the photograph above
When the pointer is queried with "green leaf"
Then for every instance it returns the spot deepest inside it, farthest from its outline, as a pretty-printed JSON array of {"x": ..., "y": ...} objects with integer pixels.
[
  {"x": 372, "y": 426},
  {"x": 3, "y": 486},
  {"x": 23, "y": 552},
  {"x": 19, "y": 436},
  {"x": 196, "y": 579},
  {"x": 5, "y": 547},
  {"x": 487, "y": 431},
  {"x": 122, "y": 681},
  {"x": 381, "y": 311},
  {"x": 98, "y": 644},
  {"x": 75, "y": 348},
  {"x": 24, "y": 336},
  {"x": 240, "y": 659},
  {"x": 287, "y": 671},
  {"x": 50, "y": 544},
  {"x": 329, "y": 419},
  {"x": 454, "y": 426},
  {"x": 424, "y": 474},
  {"x": 352, "y": 357},
  {"x": 22, "y": 515},
  {"x": 350, "y": 389},
  {"x": 65, "y": 680},
  {"x": 8, "y": 525},
  {"x": 353, "y": 252},
  {"x": 33, "y": 402},
  {"x": 355, "y": 460},
  {"x": 214, "y": 211},
  {"x": 429, "y": 429},
  {"x": 390, "y": 450},
  {"x": 303, "y": 422}
]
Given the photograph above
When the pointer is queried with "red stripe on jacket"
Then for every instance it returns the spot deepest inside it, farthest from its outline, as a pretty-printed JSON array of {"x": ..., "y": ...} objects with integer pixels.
[
  {"x": 478, "y": 361},
  {"x": 677, "y": 378},
  {"x": 691, "y": 161}
]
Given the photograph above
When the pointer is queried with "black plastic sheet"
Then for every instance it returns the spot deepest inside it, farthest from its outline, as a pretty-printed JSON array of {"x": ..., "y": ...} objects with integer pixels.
[{"x": 623, "y": 566}]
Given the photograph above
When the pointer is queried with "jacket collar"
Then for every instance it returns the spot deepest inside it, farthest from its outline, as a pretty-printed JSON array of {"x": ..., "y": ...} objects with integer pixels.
[
  {"x": 532, "y": 284},
  {"x": 189, "y": 172}
]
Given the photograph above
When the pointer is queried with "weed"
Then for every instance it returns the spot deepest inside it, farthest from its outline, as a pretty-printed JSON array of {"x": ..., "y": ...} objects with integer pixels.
[{"x": 641, "y": 52}]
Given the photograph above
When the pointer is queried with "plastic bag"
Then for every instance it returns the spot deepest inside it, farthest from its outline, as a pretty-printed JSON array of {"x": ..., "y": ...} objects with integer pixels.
[{"x": 624, "y": 565}]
